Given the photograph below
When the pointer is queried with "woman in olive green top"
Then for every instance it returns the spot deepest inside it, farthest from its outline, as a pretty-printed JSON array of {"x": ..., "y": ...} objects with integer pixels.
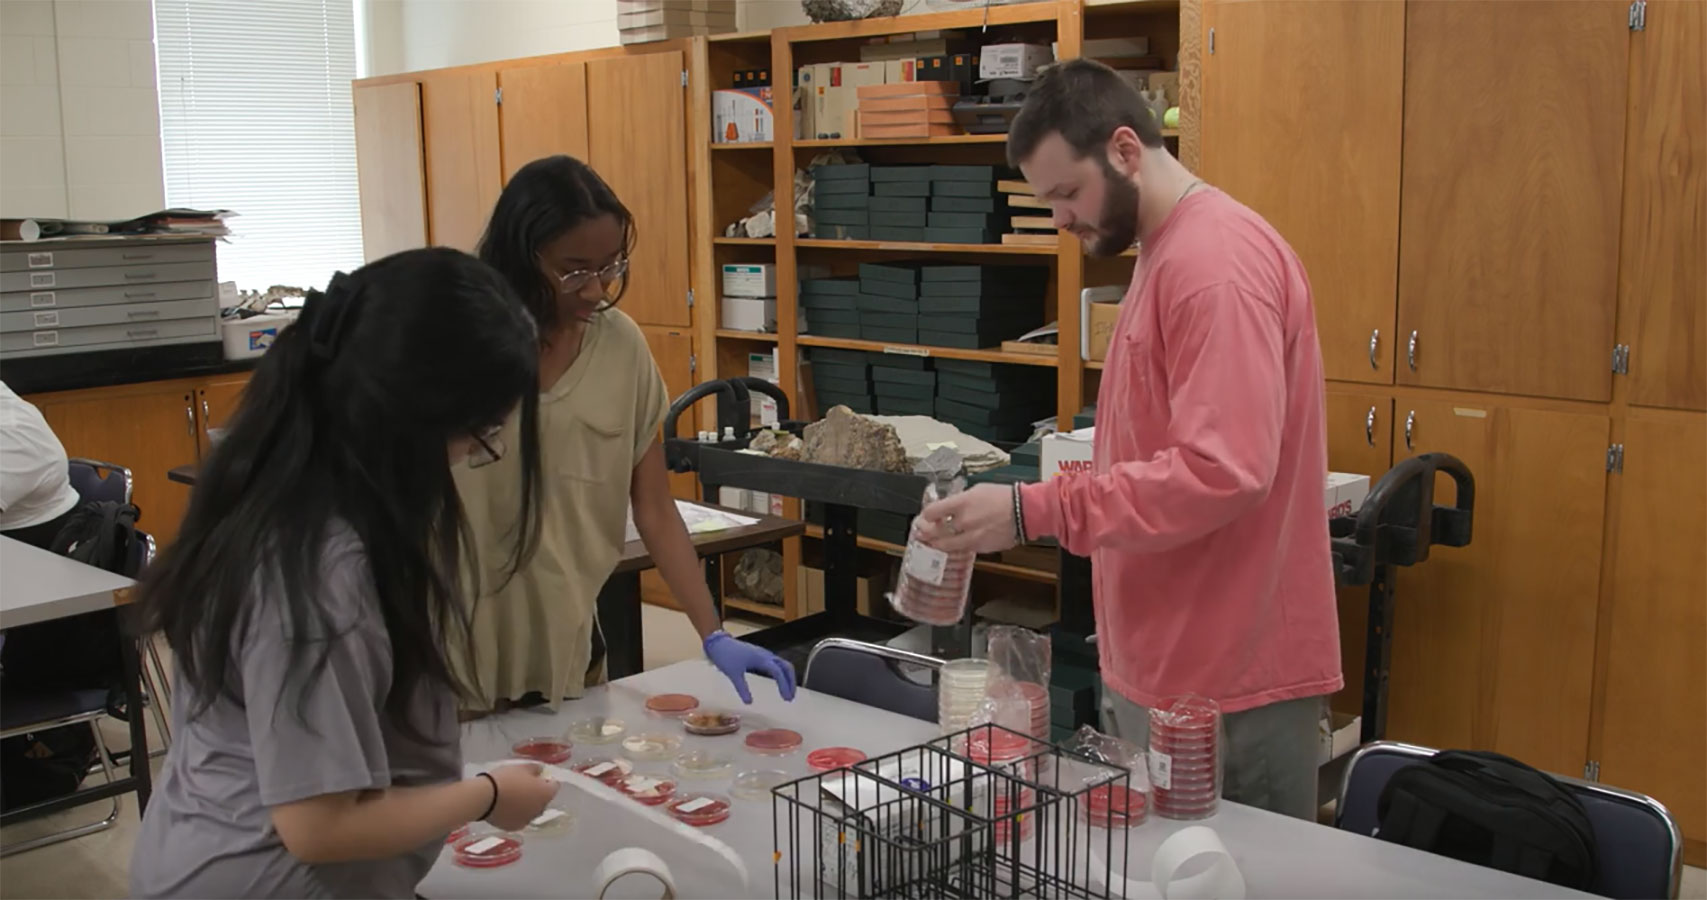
[{"x": 562, "y": 238}]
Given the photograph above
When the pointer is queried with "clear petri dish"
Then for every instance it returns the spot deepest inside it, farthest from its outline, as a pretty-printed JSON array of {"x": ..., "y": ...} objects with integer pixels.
[
  {"x": 647, "y": 790},
  {"x": 651, "y": 746},
  {"x": 711, "y": 722},
  {"x": 758, "y": 784},
  {"x": 457, "y": 835},
  {"x": 828, "y": 759},
  {"x": 609, "y": 771},
  {"x": 553, "y": 822},
  {"x": 490, "y": 851},
  {"x": 598, "y": 730},
  {"x": 548, "y": 750},
  {"x": 774, "y": 741},
  {"x": 671, "y": 704},
  {"x": 702, "y": 765},
  {"x": 701, "y": 809}
]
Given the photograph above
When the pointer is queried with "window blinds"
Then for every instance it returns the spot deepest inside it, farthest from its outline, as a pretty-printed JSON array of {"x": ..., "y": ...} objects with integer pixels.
[{"x": 256, "y": 117}]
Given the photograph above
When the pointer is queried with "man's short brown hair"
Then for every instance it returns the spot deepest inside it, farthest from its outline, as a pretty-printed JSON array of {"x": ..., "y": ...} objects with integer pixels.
[{"x": 1085, "y": 102}]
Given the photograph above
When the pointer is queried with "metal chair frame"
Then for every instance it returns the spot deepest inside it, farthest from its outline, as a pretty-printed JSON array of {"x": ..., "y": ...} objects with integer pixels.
[{"x": 881, "y": 651}]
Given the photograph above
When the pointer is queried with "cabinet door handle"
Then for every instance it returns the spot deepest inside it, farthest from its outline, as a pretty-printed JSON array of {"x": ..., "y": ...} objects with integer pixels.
[
  {"x": 1374, "y": 343},
  {"x": 1369, "y": 427},
  {"x": 1411, "y": 354},
  {"x": 143, "y": 314},
  {"x": 141, "y": 276},
  {"x": 190, "y": 416},
  {"x": 207, "y": 416},
  {"x": 1410, "y": 426}
]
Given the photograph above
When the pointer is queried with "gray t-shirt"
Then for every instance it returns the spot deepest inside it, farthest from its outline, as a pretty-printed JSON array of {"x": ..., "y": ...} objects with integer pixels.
[{"x": 208, "y": 831}]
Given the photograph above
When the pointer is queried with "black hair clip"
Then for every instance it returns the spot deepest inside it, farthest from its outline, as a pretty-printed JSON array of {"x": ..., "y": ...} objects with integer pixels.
[{"x": 331, "y": 309}]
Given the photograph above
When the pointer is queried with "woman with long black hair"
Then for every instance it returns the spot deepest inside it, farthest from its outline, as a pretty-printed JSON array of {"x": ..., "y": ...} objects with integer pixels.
[
  {"x": 313, "y": 593},
  {"x": 561, "y": 238}
]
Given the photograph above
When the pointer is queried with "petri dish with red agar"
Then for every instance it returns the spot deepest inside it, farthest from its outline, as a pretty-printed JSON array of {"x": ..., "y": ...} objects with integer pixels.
[
  {"x": 671, "y": 704},
  {"x": 828, "y": 759},
  {"x": 774, "y": 741},
  {"x": 651, "y": 746},
  {"x": 490, "y": 851},
  {"x": 609, "y": 771},
  {"x": 548, "y": 750},
  {"x": 457, "y": 835},
  {"x": 1113, "y": 806},
  {"x": 700, "y": 809},
  {"x": 711, "y": 722},
  {"x": 647, "y": 790},
  {"x": 598, "y": 730}
]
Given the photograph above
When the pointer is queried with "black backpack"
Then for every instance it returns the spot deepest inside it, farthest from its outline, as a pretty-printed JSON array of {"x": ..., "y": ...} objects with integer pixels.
[{"x": 1490, "y": 810}]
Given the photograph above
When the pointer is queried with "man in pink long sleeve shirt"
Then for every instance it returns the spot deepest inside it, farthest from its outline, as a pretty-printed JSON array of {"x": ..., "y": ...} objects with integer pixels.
[{"x": 1203, "y": 510}]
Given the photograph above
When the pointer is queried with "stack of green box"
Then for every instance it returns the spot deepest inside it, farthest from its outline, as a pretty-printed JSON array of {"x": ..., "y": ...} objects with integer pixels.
[
  {"x": 841, "y": 378},
  {"x": 830, "y": 306},
  {"x": 1023, "y": 467},
  {"x": 992, "y": 401},
  {"x": 964, "y": 207},
  {"x": 970, "y": 307},
  {"x": 899, "y": 196},
  {"x": 903, "y": 385},
  {"x": 841, "y": 200},
  {"x": 889, "y": 302}
]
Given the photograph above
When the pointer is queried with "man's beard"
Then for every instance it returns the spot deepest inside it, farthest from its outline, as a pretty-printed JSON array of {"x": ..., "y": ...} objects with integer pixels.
[{"x": 1117, "y": 226}]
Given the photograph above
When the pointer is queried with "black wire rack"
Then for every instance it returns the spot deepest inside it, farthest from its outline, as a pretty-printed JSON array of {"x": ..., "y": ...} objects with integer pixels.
[{"x": 985, "y": 812}]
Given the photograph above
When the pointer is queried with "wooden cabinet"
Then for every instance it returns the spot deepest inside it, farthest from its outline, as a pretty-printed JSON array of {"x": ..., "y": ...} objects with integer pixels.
[
  {"x": 1662, "y": 290},
  {"x": 216, "y": 402},
  {"x": 543, "y": 113},
  {"x": 1360, "y": 441},
  {"x": 1494, "y": 642},
  {"x": 637, "y": 143},
  {"x": 1320, "y": 163},
  {"x": 389, "y": 169},
  {"x": 1650, "y": 736},
  {"x": 459, "y": 114},
  {"x": 148, "y": 428},
  {"x": 1513, "y": 165},
  {"x": 672, "y": 349}
]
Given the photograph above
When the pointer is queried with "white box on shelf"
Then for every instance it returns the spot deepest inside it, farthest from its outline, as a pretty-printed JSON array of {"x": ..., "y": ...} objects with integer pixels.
[
  {"x": 749, "y": 280},
  {"x": 1345, "y": 493},
  {"x": 1066, "y": 453},
  {"x": 1013, "y": 60},
  {"x": 743, "y": 116},
  {"x": 763, "y": 365},
  {"x": 749, "y": 314}
]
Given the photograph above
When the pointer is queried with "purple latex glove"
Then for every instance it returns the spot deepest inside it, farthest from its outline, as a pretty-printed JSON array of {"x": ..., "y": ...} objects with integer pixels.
[{"x": 736, "y": 658}]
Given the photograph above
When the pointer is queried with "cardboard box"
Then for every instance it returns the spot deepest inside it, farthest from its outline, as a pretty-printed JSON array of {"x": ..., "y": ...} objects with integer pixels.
[
  {"x": 1098, "y": 48},
  {"x": 653, "y": 18},
  {"x": 1066, "y": 453},
  {"x": 1103, "y": 316},
  {"x": 1013, "y": 60},
  {"x": 749, "y": 280},
  {"x": 916, "y": 116},
  {"x": 909, "y": 89},
  {"x": 895, "y": 132},
  {"x": 900, "y": 71},
  {"x": 1345, "y": 493},
  {"x": 749, "y": 314},
  {"x": 906, "y": 104},
  {"x": 742, "y": 116},
  {"x": 838, "y": 99}
]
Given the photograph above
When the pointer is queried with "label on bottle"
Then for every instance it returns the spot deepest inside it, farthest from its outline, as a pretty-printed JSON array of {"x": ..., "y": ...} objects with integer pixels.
[
  {"x": 924, "y": 563},
  {"x": 1161, "y": 770}
]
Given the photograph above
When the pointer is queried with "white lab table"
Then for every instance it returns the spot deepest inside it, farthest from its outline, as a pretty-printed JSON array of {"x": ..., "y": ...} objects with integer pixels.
[
  {"x": 38, "y": 586},
  {"x": 1280, "y": 857}
]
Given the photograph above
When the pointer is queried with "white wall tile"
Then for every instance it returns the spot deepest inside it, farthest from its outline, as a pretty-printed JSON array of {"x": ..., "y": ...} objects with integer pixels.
[
  {"x": 92, "y": 161},
  {"x": 32, "y": 161},
  {"x": 29, "y": 111},
  {"x": 142, "y": 73},
  {"x": 94, "y": 62},
  {"x": 115, "y": 201},
  {"x": 26, "y": 17},
  {"x": 47, "y": 59},
  {"x": 17, "y": 60},
  {"x": 104, "y": 111},
  {"x": 105, "y": 18},
  {"x": 33, "y": 202}
]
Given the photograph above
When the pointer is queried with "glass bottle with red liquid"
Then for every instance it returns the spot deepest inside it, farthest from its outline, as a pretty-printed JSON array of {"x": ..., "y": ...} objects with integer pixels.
[{"x": 934, "y": 584}]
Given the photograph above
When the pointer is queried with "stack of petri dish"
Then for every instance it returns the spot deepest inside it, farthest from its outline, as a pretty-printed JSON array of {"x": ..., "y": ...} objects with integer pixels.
[
  {"x": 1185, "y": 757},
  {"x": 1114, "y": 806},
  {"x": 960, "y": 692},
  {"x": 1002, "y": 749},
  {"x": 1038, "y": 696}
]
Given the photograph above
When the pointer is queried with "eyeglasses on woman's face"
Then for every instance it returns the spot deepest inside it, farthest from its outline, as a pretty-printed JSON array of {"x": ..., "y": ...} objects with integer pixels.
[
  {"x": 609, "y": 277},
  {"x": 488, "y": 447}
]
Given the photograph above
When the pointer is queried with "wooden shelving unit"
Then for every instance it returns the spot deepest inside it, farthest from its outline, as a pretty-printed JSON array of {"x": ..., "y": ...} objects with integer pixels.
[{"x": 739, "y": 175}]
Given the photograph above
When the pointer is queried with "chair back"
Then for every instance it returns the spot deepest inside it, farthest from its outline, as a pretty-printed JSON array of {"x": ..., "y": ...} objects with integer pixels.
[
  {"x": 142, "y": 552},
  {"x": 94, "y": 480},
  {"x": 1637, "y": 843},
  {"x": 873, "y": 674}
]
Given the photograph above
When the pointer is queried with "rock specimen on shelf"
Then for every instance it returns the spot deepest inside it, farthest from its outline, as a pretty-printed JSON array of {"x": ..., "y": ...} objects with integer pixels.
[
  {"x": 846, "y": 438},
  {"x": 778, "y": 444}
]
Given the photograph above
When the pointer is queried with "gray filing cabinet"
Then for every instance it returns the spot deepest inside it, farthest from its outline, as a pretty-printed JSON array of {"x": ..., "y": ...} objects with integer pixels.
[{"x": 92, "y": 294}]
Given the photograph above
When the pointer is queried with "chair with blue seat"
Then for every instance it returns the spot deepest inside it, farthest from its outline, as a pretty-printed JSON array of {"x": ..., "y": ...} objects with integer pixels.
[
  {"x": 1637, "y": 842},
  {"x": 96, "y": 480},
  {"x": 875, "y": 675}
]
